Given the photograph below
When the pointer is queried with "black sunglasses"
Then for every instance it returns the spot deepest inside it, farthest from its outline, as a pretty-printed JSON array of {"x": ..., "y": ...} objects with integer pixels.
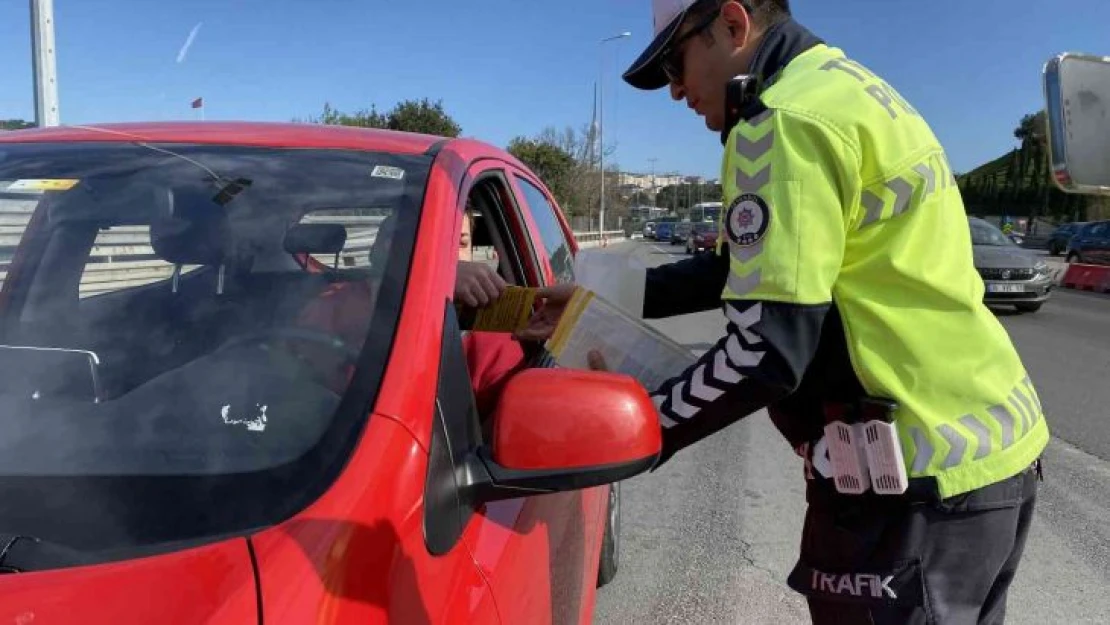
[{"x": 674, "y": 55}]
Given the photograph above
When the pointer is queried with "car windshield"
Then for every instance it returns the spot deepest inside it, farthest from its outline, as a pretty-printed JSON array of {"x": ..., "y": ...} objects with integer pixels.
[
  {"x": 705, "y": 228},
  {"x": 982, "y": 233},
  {"x": 175, "y": 363}
]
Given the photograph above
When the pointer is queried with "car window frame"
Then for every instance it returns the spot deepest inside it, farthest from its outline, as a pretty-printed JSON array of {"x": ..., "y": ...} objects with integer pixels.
[
  {"x": 560, "y": 218},
  {"x": 456, "y": 423}
]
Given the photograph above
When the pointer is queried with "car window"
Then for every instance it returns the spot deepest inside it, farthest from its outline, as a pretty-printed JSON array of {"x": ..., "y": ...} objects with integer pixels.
[
  {"x": 551, "y": 231},
  {"x": 983, "y": 233},
  {"x": 1099, "y": 230},
  {"x": 162, "y": 406}
]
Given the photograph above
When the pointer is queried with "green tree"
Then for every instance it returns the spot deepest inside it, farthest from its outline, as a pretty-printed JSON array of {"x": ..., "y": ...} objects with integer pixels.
[
  {"x": 553, "y": 164},
  {"x": 15, "y": 124},
  {"x": 421, "y": 116}
]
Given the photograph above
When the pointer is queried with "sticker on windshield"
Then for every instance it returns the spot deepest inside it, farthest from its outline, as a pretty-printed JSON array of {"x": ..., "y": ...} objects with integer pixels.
[
  {"x": 385, "y": 171},
  {"x": 36, "y": 185},
  {"x": 257, "y": 424}
]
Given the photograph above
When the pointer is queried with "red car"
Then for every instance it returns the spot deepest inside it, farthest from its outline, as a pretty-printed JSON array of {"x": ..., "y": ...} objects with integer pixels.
[
  {"x": 703, "y": 236},
  {"x": 234, "y": 388}
]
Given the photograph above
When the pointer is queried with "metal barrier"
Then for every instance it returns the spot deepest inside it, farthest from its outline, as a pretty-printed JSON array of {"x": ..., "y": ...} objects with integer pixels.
[
  {"x": 599, "y": 239},
  {"x": 122, "y": 257}
]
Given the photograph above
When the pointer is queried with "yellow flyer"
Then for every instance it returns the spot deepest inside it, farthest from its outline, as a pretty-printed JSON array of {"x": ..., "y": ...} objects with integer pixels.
[{"x": 510, "y": 313}]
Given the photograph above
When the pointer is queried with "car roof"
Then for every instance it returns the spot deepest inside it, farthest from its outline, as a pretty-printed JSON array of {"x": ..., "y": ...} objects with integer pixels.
[{"x": 256, "y": 134}]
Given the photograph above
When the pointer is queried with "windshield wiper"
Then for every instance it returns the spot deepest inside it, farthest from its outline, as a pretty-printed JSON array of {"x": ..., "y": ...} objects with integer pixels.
[{"x": 22, "y": 554}]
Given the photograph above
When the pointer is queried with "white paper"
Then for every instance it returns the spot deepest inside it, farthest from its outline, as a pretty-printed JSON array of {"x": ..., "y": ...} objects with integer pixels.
[
  {"x": 629, "y": 346},
  {"x": 617, "y": 278}
]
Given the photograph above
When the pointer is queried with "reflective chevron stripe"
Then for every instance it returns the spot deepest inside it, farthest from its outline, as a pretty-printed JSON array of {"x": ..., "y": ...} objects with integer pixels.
[
  {"x": 754, "y": 141},
  {"x": 975, "y": 429},
  {"x": 664, "y": 420},
  {"x": 957, "y": 445},
  {"x": 702, "y": 391},
  {"x": 923, "y": 450},
  {"x": 874, "y": 206},
  {"x": 679, "y": 405},
  {"x": 1028, "y": 384},
  {"x": 745, "y": 319},
  {"x": 751, "y": 169},
  {"x": 982, "y": 434},
  {"x": 1006, "y": 422},
  {"x": 742, "y": 285},
  {"x": 723, "y": 371},
  {"x": 929, "y": 177},
  {"x": 745, "y": 254},
  {"x": 1029, "y": 413},
  {"x": 718, "y": 370},
  {"x": 742, "y": 358},
  {"x": 757, "y": 180}
]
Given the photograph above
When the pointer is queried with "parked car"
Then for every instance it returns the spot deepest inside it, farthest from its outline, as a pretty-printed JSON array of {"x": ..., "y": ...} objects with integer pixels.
[
  {"x": 195, "y": 433},
  {"x": 1091, "y": 244},
  {"x": 681, "y": 231},
  {"x": 703, "y": 236},
  {"x": 1012, "y": 276},
  {"x": 1061, "y": 236},
  {"x": 664, "y": 230},
  {"x": 649, "y": 230}
]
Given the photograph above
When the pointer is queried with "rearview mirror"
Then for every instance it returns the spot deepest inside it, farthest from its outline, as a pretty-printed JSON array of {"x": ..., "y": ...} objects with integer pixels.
[
  {"x": 1077, "y": 99},
  {"x": 564, "y": 429}
]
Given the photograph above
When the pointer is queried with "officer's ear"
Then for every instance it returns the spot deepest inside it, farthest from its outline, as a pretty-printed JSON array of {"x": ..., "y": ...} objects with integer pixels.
[{"x": 738, "y": 22}]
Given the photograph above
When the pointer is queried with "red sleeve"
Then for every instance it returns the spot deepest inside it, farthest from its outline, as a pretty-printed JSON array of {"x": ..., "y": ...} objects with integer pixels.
[
  {"x": 492, "y": 358},
  {"x": 344, "y": 309}
]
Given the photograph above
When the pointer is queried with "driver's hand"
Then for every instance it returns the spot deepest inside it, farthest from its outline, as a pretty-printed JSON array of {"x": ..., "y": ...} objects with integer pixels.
[
  {"x": 554, "y": 301},
  {"x": 477, "y": 285},
  {"x": 596, "y": 361}
]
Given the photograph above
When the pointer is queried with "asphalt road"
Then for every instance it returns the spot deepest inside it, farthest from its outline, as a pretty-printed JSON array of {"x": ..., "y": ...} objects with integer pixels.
[{"x": 711, "y": 537}]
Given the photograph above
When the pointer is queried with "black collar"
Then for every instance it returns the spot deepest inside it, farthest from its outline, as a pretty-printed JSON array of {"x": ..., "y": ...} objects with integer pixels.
[{"x": 781, "y": 44}]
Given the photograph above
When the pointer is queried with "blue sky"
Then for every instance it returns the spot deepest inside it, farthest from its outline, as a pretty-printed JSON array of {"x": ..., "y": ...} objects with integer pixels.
[{"x": 511, "y": 67}]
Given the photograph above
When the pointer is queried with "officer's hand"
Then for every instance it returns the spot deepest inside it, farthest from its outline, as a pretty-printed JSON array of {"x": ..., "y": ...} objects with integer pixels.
[
  {"x": 596, "y": 361},
  {"x": 477, "y": 285},
  {"x": 553, "y": 301}
]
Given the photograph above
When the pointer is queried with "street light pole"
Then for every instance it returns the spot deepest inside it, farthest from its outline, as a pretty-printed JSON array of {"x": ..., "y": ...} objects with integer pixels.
[
  {"x": 43, "y": 66},
  {"x": 601, "y": 125}
]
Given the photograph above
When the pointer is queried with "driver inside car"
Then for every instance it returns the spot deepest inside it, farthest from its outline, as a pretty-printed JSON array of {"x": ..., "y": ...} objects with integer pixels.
[{"x": 492, "y": 358}]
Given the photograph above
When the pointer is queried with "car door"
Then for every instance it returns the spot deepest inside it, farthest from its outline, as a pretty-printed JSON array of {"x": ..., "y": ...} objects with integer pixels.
[
  {"x": 582, "y": 514},
  {"x": 1099, "y": 244},
  {"x": 538, "y": 553}
]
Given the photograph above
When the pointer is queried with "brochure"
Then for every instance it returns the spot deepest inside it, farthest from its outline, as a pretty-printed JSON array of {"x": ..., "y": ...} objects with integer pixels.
[{"x": 628, "y": 345}]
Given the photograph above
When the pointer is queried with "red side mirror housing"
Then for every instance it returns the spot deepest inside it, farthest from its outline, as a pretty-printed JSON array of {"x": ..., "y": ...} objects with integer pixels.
[
  {"x": 565, "y": 418},
  {"x": 564, "y": 429}
]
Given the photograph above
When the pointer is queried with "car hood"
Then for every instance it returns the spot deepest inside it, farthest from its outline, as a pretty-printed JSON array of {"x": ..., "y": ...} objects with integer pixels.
[
  {"x": 211, "y": 585},
  {"x": 997, "y": 257}
]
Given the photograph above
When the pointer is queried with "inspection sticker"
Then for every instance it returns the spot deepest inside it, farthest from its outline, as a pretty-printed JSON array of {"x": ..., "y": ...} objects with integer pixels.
[
  {"x": 385, "y": 171},
  {"x": 58, "y": 184}
]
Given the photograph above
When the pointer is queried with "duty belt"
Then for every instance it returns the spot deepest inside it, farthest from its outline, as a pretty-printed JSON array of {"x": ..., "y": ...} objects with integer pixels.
[
  {"x": 860, "y": 458},
  {"x": 860, "y": 450}
]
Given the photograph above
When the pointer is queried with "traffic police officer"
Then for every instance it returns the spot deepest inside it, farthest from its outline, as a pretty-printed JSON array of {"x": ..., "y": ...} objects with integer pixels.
[{"x": 854, "y": 314}]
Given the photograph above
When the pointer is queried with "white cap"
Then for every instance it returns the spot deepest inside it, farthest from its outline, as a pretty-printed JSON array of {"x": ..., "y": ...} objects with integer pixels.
[
  {"x": 665, "y": 12},
  {"x": 646, "y": 72}
]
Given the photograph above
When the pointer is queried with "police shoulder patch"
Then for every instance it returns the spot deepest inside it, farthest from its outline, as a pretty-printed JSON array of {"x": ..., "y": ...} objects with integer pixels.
[{"x": 747, "y": 220}]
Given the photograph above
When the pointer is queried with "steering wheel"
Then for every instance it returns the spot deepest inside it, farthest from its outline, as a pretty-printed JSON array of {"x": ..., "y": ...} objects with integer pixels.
[{"x": 350, "y": 354}]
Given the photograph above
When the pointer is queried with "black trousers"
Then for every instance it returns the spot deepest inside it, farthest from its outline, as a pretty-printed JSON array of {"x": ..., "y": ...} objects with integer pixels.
[{"x": 877, "y": 560}]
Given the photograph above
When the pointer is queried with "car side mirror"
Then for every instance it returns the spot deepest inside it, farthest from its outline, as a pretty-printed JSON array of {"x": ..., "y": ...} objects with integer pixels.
[
  {"x": 1077, "y": 105},
  {"x": 558, "y": 430}
]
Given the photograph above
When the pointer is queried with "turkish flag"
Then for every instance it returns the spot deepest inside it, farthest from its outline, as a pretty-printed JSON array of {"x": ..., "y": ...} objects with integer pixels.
[{"x": 198, "y": 103}]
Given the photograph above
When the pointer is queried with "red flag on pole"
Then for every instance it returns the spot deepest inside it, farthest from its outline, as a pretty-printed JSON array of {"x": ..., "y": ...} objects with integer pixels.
[{"x": 198, "y": 103}]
